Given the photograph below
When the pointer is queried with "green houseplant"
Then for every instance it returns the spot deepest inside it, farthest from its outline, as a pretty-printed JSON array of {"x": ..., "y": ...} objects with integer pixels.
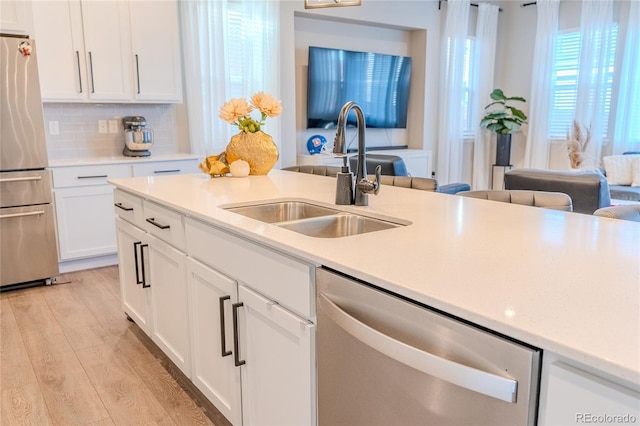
[{"x": 503, "y": 118}]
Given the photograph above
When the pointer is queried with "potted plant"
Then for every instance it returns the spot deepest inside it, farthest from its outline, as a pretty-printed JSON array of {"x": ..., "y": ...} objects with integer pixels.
[{"x": 503, "y": 119}]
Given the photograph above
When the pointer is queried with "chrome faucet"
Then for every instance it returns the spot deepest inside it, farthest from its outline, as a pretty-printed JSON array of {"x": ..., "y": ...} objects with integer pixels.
[{"x": 345, "y": 193}]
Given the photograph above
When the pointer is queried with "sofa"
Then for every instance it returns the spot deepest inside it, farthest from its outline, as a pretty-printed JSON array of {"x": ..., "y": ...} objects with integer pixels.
[
  {"x": 623, "y": 175},
  {"x": 589, "y": 190}
]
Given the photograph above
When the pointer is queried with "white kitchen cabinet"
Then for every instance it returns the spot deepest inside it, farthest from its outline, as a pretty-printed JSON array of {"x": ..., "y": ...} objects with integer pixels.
[
  {"x": 277, "y": 354},
  {"x": 86, "y": 51},
  {"x": 84, "y": 208},
  {"x": 136, "y": 299},
  {"x": 273, "y": 337},
  {"x": 155, "y": 40},
  {"x": 167, "y": 278},
  {"x": 211, "y": 296},
  {"x": 15, "y": 17},
  {"x": 574, "y": 396},
  {"x": 86, "y": 223}
]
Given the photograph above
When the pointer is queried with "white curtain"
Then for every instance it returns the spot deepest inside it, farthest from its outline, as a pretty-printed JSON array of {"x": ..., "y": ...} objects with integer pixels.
[
  {"x": 224, "y": 61},
  {"x": 537, "y": 146},
  {"x": 595, "y": 27},
  {"x": 485, "y": 58},
  {"x": 450, "y": 139},
  {"x": 626, "y": 135}
]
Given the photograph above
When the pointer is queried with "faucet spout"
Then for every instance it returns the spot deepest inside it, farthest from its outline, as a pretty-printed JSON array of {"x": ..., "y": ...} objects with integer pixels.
[{"x": 363, "y": 186}]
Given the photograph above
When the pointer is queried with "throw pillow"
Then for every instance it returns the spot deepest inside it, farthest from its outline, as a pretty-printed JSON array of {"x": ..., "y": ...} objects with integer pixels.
[
  {"x": 636, "y": 170},
  {"x": 619, "y": 169}
]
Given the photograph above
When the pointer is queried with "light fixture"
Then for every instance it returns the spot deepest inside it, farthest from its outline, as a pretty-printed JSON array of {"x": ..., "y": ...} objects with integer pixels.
[{"x": 314, "y": 4}]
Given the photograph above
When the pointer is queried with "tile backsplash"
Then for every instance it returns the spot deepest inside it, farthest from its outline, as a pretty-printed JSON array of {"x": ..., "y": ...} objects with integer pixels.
[{"x": 78, "y": 129}]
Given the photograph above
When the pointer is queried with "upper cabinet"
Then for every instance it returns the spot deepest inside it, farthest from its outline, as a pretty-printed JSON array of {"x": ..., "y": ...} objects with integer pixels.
[
  {"x": 15, "y": 17},
  {"x": 155, "y": 41},
  {"x": 120, "y": 51}
]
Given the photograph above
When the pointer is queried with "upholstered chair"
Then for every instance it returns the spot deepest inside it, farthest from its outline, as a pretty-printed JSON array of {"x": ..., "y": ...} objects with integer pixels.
[
  {"x": 625, "y": 212},
  {"x": 548, "y": 200}
]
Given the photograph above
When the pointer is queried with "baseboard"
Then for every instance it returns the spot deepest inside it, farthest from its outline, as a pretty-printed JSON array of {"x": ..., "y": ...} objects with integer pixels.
[{"x": 88, "y": 263}]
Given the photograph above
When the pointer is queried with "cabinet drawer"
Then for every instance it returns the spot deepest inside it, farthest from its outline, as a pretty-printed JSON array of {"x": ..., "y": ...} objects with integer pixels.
[
  {"x": 129, "y": 207},
  {"x": 277, "y": 276},
  {"x": 161, "y": 168},
  {"x": 88, "y": 175},
  {"x": 164, "y": 223}
]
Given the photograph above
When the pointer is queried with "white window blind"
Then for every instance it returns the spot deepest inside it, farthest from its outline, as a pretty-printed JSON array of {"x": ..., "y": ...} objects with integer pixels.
[
  {"x": 470, "y": 123},
  {"x": 565, "y": 83}
]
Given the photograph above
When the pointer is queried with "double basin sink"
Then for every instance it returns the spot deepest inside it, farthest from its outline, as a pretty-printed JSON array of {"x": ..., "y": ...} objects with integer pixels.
[{"x": 314, "y": 220}]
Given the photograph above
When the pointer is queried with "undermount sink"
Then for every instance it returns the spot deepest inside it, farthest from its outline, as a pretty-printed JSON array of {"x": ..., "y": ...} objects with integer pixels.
[
  {"x": 282, "y": 211},
  {"x": 313, "y": 220},
  {"x": 340, "y": 225}
]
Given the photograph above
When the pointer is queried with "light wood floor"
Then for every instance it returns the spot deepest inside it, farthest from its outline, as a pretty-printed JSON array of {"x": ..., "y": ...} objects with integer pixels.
[{"x": 70, "y": 357}]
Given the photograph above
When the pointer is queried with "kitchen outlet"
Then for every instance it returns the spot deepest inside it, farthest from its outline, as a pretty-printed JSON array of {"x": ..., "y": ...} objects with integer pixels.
[
  {"x": 113, "y": 126},
  {"x": 102, "y": 126},
  {"x": 53, "y": 128}
]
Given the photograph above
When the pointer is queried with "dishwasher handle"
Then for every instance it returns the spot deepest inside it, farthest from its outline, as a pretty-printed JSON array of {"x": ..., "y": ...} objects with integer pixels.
[{"x": 462, "y": 375}]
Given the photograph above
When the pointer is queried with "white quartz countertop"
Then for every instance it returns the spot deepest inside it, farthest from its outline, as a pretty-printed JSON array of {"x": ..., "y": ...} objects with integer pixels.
[
  {"x": 564, "y": 282},
  {"x": 118, "y": 159}
]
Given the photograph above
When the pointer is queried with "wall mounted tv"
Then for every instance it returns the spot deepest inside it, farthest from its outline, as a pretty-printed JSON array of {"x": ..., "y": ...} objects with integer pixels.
[{"x": 377, "y": 82}]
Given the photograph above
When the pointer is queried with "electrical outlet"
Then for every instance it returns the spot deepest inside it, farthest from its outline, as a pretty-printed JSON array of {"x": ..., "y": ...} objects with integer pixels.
[
  {"x": 102, "y": 126},
  {"x": 53, "y": 128},
  {"x": 113, "y": 126}
]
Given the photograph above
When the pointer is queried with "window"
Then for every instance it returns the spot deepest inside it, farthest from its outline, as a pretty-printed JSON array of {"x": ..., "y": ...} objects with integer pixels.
[
  {"x": 565, "y": 83},
  {"x": 469, "y": 121}
]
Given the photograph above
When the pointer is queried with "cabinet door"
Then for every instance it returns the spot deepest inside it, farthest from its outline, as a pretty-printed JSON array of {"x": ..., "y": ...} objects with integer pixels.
[
  {"x": 156, "y": 55},
  {"x": 61, "y": 64},
  {"x": 212, "y": 367},
  {"x": 133, "y": 292},
  {"x": 108, "y": 49},
  {"x": 14, "y": 17},
  {"x": 167, "y": 268},
  {"x": 278, "y": 377},
  {"x": 85, "y": 218}
]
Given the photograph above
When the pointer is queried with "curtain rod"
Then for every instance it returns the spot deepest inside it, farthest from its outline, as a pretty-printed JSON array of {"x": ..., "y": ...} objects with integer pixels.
[
  {"x": 533, "y": 3},
  {"x": 472, "y": 4}
]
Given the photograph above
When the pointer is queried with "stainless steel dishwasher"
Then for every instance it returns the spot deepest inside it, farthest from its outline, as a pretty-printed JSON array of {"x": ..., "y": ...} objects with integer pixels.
[{"x": 385, "y": 360}]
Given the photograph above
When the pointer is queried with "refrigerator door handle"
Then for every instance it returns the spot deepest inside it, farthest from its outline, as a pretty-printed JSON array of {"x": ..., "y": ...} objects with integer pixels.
[
  {"x": 21, "y": 179},
  {"x": 34, "y": 213},
  {"x": 459, "y": 374}
]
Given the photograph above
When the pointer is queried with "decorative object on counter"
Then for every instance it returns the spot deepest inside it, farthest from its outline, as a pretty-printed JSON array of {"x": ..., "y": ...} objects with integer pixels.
[
  {"x": 252, "y": 144},
  {"x": 239, "y": 168},
  {"x": 577, "y": 144},
  {"x": 316, "y": 144},
  {"x": 214, "y": 165},
  {"x": 503, "y": 120}
]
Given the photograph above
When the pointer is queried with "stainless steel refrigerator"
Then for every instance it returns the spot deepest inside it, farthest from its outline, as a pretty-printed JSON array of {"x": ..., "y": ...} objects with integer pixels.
[{"x": 28, "y": 249}]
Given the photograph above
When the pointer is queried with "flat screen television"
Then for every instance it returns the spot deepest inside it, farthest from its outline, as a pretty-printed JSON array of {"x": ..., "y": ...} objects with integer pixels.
[{"x": 379, "y": 83}]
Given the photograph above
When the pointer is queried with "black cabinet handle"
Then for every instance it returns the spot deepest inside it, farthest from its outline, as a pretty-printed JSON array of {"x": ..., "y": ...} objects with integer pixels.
[
  {"x": 152, "y": 220},
  {"x": 166, "y": 171},
  {"x": 236, "y": 344},
  {"x": 135, "y": 256},
  {"x": 137, "y": 73},
  {"x": 223, "y": 337},
  {"x": 93, "y": 177},
  {"x": 93, "y": 86},
  {"x": 79, "y": 75},
  {"x": 120, "y": 206},
  {"x": 144, "y": 278}
]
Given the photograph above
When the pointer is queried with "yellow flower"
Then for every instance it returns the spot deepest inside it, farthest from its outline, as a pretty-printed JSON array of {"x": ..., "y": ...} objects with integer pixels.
[
  {"x": 235, "y": 109},
  {"x": 267, "y": 104}
]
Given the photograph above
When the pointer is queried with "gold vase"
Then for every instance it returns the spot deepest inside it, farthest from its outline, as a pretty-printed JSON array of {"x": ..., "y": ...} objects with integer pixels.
[{"x": 257, "y": 149}]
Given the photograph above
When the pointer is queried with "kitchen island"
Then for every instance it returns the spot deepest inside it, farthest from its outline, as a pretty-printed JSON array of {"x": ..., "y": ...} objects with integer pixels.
[{"x": 566, "y": 283}]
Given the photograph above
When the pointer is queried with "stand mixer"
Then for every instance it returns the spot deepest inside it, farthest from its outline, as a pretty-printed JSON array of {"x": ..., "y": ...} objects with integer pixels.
[{"x": 138, "y": 138}]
